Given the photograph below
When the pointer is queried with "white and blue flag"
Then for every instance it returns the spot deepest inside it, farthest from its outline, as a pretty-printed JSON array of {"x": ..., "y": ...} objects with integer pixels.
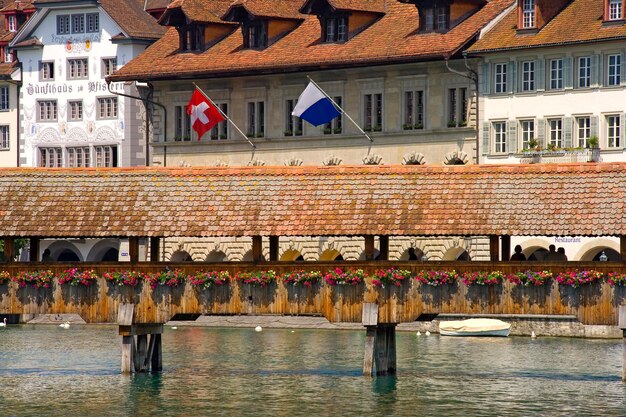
[{"x": 315, "y": 107}]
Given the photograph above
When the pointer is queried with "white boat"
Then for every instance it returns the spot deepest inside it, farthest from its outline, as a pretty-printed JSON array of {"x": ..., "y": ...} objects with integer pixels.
[{"x": 474, "y": 327}]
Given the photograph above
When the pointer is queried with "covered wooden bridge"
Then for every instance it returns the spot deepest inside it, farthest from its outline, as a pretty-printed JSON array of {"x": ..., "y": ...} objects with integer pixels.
[{"x": 385, "y": 201}]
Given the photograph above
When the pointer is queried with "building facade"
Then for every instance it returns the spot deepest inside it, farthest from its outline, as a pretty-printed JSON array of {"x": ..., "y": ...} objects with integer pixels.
[{"x": 553, "y": 90}]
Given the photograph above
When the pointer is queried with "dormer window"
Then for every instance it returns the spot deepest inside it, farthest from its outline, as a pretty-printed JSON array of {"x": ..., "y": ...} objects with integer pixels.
[
  {"x": 12, "y": 24},
  {"x": 255, "y": 35},
  {"x": 528, "y": 14},
  {"x": 335, "y": 29},
  {"x": 435, "y": 18},
  {"x": 615, "y": 10},
  {"x": 191, "y": 38}
]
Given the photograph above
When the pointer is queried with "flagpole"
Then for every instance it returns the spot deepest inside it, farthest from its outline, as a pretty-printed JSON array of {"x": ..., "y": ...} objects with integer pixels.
[
  {"x": 225, "y": 116},
  {"x": 342, "y": 110}
]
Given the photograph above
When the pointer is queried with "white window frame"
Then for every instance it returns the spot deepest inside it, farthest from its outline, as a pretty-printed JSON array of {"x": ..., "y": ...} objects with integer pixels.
[
  {"x": 555, "y": 67},
  {"x": 64, "y": 24},
  {"x": 77, "y": 157},
  {"x": 74, "y": 110},
  {"x": 615, "y": 10},
  {"x": 51, "y": 157},
  {"x": 500, "y": 78},
  {"x": 4, "y": 98},
  {"x": 182, "y": 125},
  {"x": 499, "y": 136},
  {"x": 528, "y": 14},
  {"x": 92, "y": 22},
  {"x": 527, "y": 132},
  {"x": 414, "y": 109},
  {"x": 47, "y": 111},
  {"x": 78, "y": 23},
  {"x": 613, "y": 70},
  {"x": 583, "y": 131},
  {"x": 373, "y": 111},
  {"x": 294, "y": 125},
  {"x": 256, "y": 113},
  {"x": 583, "y": 71},
  {"x": 613, "y": 130},
  {"x": 77, "y": 68},
  {"x": 107, "y": 108},
  {"x": 12, "y": 23},
  {"x": 104, "y": 156},
  {"x": 46, "y": 71},
  {"x": 555, "y": 132},
  {"x": 528, "y": 76},
  {"x": 5, "y": 143}
]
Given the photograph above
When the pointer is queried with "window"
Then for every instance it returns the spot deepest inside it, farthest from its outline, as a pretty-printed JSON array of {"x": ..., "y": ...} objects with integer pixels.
[
  {"x": 434, "y": 18},
  {"x": 46, "y": 72},
  {"x": 93, "y": 22},
  {"x": 182, "y": 124},
  {"x": 556, "y": 74},
  {"x": 77, "y": 69},
  {"x": 335, "y": 126},
  {"x": 51, "y": 157},
  {"x": 293, "y": 124},
  {"x": 500, "y": 78},
  {"x": 583, "y": 131},
  {"x": 615, "y": 9},
  {"x": 75, "y": 110},
  {"x": 442, "y": 15},
  {"x": 584, "y": 72},
  {"x": 77, "y": 157},
  {"x": 373, "y": 112},
  {"x": 4, "y": 138},
  {"x": 614, "y": 69},
  {"x": 499, "y": 131},
  {"x": 191, "y": 38},
  {"x": 105, "y": 156},
  {"x": 12, "y": 21},
  {"x": 220, "y": 130},
  {"x": 47, "y": 111},
  {"x": 528, "y": 76},
  {"x": 528, "y": 14},
  {"x": 107, "y": 108},
  {"x": 527, "y": 128},
  {"x": 78, "y": 23},
  {"x": 109, "y": 65},
  {"x": 256, "y": 119},
  {"x": 335, "y": 29},
  {"x": 255, "y": 35},
  {"x": 8, "y": 55},
  {"x": 63, "y": 24},
  {"x": 457, "y": 107},
  {"x": 4, "y": 98},
  {"x": 413, "y": 110},
  {"x": 556, "y": 133},
  {"x": 613, "y": 131}
]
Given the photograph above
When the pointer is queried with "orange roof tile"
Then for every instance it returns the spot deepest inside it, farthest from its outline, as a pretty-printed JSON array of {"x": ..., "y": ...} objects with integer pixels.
[
  {"x": 579, "y": 22},
  {"x": 196, "y": 10},
  {"x": 392, "y": 39},
  {"x": 570, "y": 199},
  {"x": 286, "y": 9}
]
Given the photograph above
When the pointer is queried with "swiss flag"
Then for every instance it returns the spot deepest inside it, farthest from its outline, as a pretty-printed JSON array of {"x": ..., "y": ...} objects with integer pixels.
[{"x": 204, "y": 114}]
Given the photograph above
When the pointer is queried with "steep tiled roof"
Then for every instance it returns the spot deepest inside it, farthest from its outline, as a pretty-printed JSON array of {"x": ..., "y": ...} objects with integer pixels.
[
  {"x": 196, "y": 10},
  {"x": 6, "y": 69},
  {"x": 569, "y": 199},
  {"x": 156, "y": 4},
  {"x": 377, "y": 6},
  {"x": 392, "y": 39},
  {"x": 18, "y": 6},
  {"x": 131, "y": 17},
  {"x": 286, "y": 9},
  {"x": 579, "y": 22}
]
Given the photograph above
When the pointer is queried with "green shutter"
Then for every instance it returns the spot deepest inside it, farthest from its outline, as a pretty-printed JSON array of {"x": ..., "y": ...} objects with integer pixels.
[
  {"x": 567, "y": 132},
  {"x": 486, "y": 79},
  {"x": 567, "y": 72},
  {"x": 541, "y": 75},
  {"x": 512, "y": 136},
  {"x": 540, "y": 134},
  {"x": 486, "y": 147}
]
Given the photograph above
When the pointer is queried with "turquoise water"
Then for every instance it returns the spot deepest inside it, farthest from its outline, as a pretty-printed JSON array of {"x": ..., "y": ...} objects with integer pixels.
[{"x": 48, "y": 371}]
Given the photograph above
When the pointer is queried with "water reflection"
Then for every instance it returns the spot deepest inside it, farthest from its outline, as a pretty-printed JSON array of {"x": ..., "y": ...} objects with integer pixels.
[{"x": 44, "y": 371}]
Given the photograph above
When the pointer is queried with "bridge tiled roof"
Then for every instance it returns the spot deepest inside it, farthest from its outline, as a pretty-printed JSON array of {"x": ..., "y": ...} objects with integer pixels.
[{"x": 571, "y": 199}]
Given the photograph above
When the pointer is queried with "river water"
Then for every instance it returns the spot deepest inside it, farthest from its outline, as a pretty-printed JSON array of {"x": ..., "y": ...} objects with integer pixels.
[{"x": 49, "y": 371}]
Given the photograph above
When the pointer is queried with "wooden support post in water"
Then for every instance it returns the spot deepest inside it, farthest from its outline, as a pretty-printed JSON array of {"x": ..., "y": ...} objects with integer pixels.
[
  {"x": 257, "y": 248},
  {"x": 622, "y": 325},
  {"x": 505, "y": 254},
  {"x": 384, "y": 248},
  {"x": 370, "y": 321},
  {"x": 133, "y": 249},
  {"x": 369, "y": 247},
  {"x": 33, "y": 255},
  {"x": 141, "y": 343},
  {"x": 9, "y": 249},
  {"x": 380, "y": 343},
  {"x": 274, "y": 248},
  {"x": 155, "y": 249},
  {"x": 494, "y": 250}
]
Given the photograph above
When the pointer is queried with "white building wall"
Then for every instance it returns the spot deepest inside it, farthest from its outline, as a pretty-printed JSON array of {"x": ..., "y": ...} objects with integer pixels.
[{"x": 8, "y": 119}]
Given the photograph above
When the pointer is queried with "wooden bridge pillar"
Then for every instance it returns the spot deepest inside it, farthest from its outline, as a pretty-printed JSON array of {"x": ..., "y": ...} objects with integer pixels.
[
  {"x": 141, "y": 343},
  {"x": 155, "y": 249},
  {"x": 622, "y": 325},
  {"x": 133, "y": 249},
  {"x": 505, "y": 253},
  {"x": 274, "y": 248},
  {"x": 494, "y": 250},
  {"x": 380, "y": 343},
  {"x": 384, "y": 248},
  {"x": 33, "y": 254},
  {"x": 9, "y": 249},
  {"x": 257, "y": 249}
]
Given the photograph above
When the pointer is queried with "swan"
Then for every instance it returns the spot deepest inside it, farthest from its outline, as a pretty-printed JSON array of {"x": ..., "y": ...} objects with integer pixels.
[
  {"x": 533, "y": 335},
  {"x": 427, "y": 333},
  {"x": 258, "y": 329},
  {"x": 174, "y": 328},
  {"x": 4, "y": 324},
  {"x": 65, "y": 325},
  {"x": 418, "y": 333}
]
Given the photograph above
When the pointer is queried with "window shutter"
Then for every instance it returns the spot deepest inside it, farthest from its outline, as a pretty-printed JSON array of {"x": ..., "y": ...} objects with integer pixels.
[
  {"x": 541, "y": 132},
  {"x": 593, "y": 126},
  {"x": 567, "y": 72},
  {"x": 486, "y": 79},
  {"x": 511, "y": 77},
  {"x": 623, "y": 69},
  {"x": 597, "y": 78},
  {"x": 567, "y": 132},
  {"x": 541, "y": 74},
  {"x": 622, "y": 131},
  {"x": 512, "y": 136},
  {"x": 486, "y": 145}
]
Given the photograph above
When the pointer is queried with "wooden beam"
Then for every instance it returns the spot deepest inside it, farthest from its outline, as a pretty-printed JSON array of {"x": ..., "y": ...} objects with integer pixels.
[
  {"x": 384, "y": 248},
  {"x": 368, "y": 359},
  {"x": 369, "y": 247},
  {"x": 494, "y": 250},
  {"x": 257, "y": 249},
  {"x": 381, "y": 355},
  {"x": 506, "y": 248},
  {"x": 155, "y": 249},
  {"x": 157, "y": 354},
  {"x": 133, "y": 249},
  {"x": 9, "y": 249},
  {"x": 33, "y": 255},
  {"x": 128, "y": 353},
  {"x": 274, "y": 248},
  {"x": 622, "y": 247}
]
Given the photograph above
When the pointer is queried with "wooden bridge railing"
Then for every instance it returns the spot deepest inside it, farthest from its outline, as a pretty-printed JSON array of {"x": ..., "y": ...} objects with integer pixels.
[{"x": 596, "y": 303}]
